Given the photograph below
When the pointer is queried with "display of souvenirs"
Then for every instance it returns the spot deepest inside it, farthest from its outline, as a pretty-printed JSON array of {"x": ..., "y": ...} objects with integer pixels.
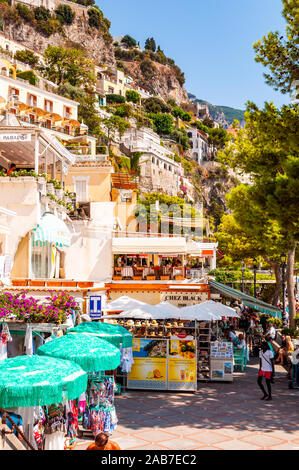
[
  {"x": 100, "y": 415},
  {"x": 221, "y": 349}
]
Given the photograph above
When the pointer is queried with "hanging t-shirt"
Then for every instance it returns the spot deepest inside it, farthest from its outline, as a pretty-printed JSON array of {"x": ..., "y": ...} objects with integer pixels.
[{"x": 266, "y": 360}]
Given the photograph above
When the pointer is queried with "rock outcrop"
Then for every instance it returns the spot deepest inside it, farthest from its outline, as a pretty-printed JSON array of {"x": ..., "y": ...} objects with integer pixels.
[
  {"x": 77, "y": 35},
  {"x": 162, "y": 82}
]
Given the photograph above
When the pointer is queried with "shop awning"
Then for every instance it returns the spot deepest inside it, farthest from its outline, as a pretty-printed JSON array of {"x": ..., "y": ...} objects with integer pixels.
[
  {"x": 248, "y": 300},
  {"x": 51, "y": 229},
  {"x": 149, "y": 245}
]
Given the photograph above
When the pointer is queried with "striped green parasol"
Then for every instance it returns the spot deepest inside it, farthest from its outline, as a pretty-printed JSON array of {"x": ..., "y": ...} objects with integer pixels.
[
  {"x": 89, "y": 352},
  {"x": 36, "y": 381},
  {"x": 115, "y": 334}
]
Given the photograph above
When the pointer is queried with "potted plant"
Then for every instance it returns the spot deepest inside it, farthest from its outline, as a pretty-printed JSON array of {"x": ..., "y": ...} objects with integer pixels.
[
  {"x": 50, "y": 186},
  {"x": 3, "y": 175},
  {"x": 58, "y": 189}
]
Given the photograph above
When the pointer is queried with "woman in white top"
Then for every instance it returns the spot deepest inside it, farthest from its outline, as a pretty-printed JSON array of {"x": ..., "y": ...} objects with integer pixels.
[{"x": 266, "y": 370}]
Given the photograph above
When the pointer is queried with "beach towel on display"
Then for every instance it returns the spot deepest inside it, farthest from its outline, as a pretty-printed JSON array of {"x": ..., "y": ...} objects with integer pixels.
[{"x": 100, "y": 414}]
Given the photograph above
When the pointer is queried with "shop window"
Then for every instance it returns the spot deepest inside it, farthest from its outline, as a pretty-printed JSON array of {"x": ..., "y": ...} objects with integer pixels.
[{"x": 41, "y": 261}]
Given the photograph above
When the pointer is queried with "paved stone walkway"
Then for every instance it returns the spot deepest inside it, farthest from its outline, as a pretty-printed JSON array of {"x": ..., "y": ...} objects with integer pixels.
[{"x": 220, "y": 416}]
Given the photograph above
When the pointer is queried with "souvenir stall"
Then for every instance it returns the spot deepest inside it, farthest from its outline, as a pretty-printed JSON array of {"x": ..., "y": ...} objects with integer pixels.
[
  {"x": 172, "y": 346},
  {"x": 95, "y": 356},
  {"x": 38, "y": 390},
  {"x": 164, "y": 350}
]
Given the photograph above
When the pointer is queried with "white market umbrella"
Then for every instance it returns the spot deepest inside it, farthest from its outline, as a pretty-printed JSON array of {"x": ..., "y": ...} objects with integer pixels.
[
  {"x": 144, "y": 312},
  {"x": 124, "y": 303},
  {"x": 199, "y": 312},
  {"x": 221, "y": 309},
  {"x": 169, "y": 310}
]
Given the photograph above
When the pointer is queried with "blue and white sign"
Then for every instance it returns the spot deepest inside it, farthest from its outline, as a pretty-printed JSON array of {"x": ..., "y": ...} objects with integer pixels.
[{"x": 95, "y": 306}]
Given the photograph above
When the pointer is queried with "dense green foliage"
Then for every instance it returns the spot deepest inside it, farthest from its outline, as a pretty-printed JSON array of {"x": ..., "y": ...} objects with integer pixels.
[
  {"x": 133, "y": 96},
  {"x": 68, "y": 65},
  {"x": 280, "y": 54},
  {"x": 28, "y": 57},
  {"x": 150, "y": 44},
  {"x": 129, "y": 41},
  {"x": 115, "y": 99},
  {"x": 155, "y": 105},
  {"x": 65, "y": 14},
  {"x": 28, "y": 75}
]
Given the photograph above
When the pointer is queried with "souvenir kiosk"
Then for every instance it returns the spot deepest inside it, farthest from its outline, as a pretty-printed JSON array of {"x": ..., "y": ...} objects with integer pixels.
[{"x": 172, "y": 346}]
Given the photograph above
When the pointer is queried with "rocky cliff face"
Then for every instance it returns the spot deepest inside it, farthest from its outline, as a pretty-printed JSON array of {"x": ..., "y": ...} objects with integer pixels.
[
  {"x": 77, "y": 35},
  {"x": 162, "y": 82}
]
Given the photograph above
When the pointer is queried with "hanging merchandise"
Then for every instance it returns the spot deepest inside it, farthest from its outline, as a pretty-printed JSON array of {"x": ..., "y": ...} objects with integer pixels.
[
  {"x": 5, "y": 337},
  {"x": 71, "y": 412},
  {"x": 55, "y": 427},
  {"x": 82, "y": 402},
  {"x": 100, "y": 414}
]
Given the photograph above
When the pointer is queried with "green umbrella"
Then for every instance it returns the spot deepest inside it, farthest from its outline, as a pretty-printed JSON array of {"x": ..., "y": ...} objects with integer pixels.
[
  {"x": 89, "y": 352},
  {"x": 35, "y": 381},
  {"x": 115, "y": 334}
]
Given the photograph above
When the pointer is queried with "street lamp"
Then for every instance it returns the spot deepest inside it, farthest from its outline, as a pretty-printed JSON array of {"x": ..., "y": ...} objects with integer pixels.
[
  {"x": 254, "y": 274},
  {"x": 243, "y": 269},
  {"x": 283, "y": 259}
]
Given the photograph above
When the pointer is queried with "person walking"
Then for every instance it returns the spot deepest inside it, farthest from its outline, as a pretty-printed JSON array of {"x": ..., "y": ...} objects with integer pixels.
[
  {"x": 102, "y": 442},
  {"x": 266, "y": 370}
]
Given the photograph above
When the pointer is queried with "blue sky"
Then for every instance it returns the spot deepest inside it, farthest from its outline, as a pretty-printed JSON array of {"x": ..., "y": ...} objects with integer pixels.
[{"x": 210, "y": 40}]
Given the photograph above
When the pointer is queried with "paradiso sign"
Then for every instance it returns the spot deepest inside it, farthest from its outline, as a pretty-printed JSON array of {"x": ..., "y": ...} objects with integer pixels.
[{"x": 15, "y": 137}]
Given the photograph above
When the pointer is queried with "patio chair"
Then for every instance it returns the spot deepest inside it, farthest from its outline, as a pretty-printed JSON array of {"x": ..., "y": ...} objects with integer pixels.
[{"x": 240, "y": 358}]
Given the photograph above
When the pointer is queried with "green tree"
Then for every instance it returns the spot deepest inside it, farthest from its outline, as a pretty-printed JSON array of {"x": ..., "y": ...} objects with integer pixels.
[
  {"x": 147, "y": 68},
  {"x": 68, "y": 65},
  {"x": 267, "y": 150},
  {"x": 150, "y": 44},
  {"x": 28, "y": 57},
  {"x": 26, "y": 13},
  {"x": 113, "y": 126},
  {"x": 162, "y": 123},
  {"x": 113, "y": 98},
  {"x": 129, "y": 41},
  {"x": 97, "y": 20},
  {"x": 218, "y": 138},
  {"x": 65, "y": 14},
  {"x": 155, "y": 105},
  {"x": 42, "y": 14},
  {"x": 124, "y": 110},
  {"x": 280, "y": 54},
  {"x": 133, "y": 96},
  {"x": 86, "y": 110}
]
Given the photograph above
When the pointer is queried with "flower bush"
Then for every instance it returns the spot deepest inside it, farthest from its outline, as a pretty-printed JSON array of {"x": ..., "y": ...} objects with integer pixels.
[{"x": 27, "y": 309}]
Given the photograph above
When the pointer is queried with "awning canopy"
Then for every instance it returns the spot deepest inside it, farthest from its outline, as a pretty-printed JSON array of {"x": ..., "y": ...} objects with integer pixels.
[
  {"x": 149, "y": 245},
  {"x": 51, "y": 229},
  {"x": 248, "y": 300}
]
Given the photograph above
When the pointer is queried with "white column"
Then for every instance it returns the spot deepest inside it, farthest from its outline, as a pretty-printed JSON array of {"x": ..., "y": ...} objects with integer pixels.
[{"x": 36, "y": 152}]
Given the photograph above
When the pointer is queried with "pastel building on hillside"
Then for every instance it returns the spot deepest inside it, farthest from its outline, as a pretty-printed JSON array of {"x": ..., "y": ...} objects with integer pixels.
[
  {"x": 199, "y": 145},
  {"x": 158, "y": 169}
]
